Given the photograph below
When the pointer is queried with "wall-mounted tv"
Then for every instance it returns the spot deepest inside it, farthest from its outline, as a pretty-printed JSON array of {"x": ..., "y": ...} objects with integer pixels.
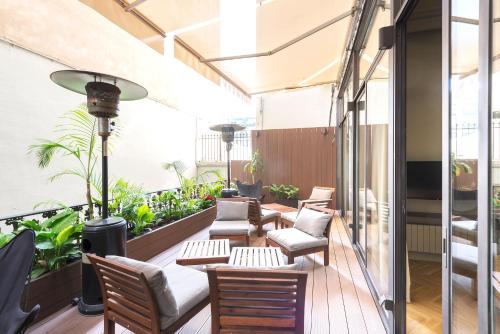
[{"x": 423, "y": 179}]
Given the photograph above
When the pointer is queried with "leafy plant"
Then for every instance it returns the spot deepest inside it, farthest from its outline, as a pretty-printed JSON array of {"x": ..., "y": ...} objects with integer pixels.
[
  {"x": 5, "y": 238},
  {"x": 458, "y": 166},
  {"x": 283, "y": 191},
  {"x": 144, "y": 217},
  {"x": 56, "y": 241},
  {"x": 126, "y": 198},
  {"x": 78, "y": 140},
  {"x": 255, "y": 165}
]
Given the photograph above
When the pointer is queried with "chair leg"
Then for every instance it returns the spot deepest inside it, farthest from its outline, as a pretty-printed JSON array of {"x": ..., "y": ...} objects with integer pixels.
[
  {"x": 267, "y": 242},
  {"x": 259, "y": 230},
  {"x": 109, "y": 326},
  {"x": 247, "y": 240},
  {"x": 276, "y": 222},
  {"x": 326, "y": 256}
]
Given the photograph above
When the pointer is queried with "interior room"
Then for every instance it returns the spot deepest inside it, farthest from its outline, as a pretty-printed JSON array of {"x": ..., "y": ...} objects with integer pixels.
[{"x": 424, "y": 167}]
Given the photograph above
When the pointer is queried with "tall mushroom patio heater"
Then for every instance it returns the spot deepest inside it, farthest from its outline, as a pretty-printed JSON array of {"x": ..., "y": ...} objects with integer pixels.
[
  {"x": 227, "y": 131},
  {"x": 106, "y": 235}
]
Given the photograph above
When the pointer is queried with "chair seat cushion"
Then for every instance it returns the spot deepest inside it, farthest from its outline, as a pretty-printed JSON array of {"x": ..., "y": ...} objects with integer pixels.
[
  {"x": 294, "y": 239},
  {"x": 158, "y": 282},
  {"x": 189, "y": 287},
  {"x": 232, "y": 227},
  {"x": 290, "y": 216},
  {"x": 312, "y": 222},
  {"x": 268, "y": 214}
]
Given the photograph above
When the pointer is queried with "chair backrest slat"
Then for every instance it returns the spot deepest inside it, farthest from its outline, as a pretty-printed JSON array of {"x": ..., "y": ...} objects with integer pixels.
[
  {"x": 254, "y": 210},
  {"x": 127, "y": 296},
  {"x": 260, "y": 300}
]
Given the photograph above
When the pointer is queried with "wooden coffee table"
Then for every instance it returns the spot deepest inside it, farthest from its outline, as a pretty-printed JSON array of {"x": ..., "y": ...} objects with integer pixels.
[
  {"x": 195, "y": 252},
  {"x": 255, "y": 257},
  {"x": 278, "y": 207},
  {"x": 283, "y": 209}
]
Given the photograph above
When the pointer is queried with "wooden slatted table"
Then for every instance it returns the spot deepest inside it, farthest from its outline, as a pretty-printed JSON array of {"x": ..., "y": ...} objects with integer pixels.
[
  {"x": 255, "y": 257},
  {"x": 195, "y": 252}
]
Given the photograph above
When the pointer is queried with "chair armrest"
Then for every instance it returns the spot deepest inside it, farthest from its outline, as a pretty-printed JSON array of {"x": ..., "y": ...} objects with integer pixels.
[{"x": 327, "y": 202}]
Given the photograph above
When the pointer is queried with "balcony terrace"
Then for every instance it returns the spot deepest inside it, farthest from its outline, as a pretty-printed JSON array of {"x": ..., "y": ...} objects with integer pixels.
[{"x": 337, "y": 299}]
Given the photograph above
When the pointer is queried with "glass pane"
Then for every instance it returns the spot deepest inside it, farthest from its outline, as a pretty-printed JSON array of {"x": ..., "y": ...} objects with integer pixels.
[
  {"x": 495, "y": 159},
  {"x": 361, "y": 110},
  {"x": 368, "y": 53},
  {"x": 464, "y": 154},
  {"x": 377, "y": 188},
  {"x": 348, "y": 171}
]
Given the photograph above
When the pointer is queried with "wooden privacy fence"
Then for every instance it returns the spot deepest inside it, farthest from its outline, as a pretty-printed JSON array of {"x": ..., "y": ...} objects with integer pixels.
[{"x": 304, "y": 157}]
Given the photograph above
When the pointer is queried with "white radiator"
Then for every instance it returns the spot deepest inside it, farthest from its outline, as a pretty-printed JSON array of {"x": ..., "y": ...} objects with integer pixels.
[{"x": 423, "y": 238}]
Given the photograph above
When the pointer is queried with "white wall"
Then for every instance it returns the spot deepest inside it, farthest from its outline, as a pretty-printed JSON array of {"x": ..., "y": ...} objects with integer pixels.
[
  {"x": 30, "y": 105},
  {"x": 298, "y": 108}
]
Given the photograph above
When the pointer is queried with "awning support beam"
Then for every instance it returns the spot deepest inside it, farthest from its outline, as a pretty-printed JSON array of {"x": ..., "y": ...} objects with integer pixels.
[
  {"x": 287, "y": 44},
  {"x": 134, "y": 4}
]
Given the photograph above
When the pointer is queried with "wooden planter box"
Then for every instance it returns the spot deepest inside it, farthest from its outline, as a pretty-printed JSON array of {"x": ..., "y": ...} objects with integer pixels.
[
  {"x": 151, "y": 244},
  {"x": 55, "y": 290}
]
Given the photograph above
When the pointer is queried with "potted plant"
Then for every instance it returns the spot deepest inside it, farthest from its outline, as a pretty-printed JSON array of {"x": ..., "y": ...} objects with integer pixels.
[
  {"x": 255, "y": 165},
  {"x": 285, "y": 194}
]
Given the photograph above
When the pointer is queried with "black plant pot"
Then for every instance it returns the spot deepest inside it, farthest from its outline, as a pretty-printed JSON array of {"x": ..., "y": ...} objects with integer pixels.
[{"x": 293, "y": 203}]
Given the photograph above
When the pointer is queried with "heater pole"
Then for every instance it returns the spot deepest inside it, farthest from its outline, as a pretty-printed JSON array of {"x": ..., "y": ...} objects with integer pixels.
[
  {"x": 105, "y": 212},
  {"x": 228, "y": 149}
]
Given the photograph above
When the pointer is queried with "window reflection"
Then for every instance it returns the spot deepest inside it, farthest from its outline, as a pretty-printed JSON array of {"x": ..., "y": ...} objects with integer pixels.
[{"x": 464, "y": 147}]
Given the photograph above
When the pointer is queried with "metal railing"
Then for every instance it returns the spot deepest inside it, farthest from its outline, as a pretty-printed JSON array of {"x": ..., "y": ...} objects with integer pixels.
[
  {"x": 211, "y": 148},
  {"x": 14, "y": 220},
  {"x": 466, "y": 134}
]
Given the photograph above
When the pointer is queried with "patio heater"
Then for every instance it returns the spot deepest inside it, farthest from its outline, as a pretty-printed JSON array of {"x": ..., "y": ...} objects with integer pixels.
[
  {"x": 106, "y": 235},
  {"x": 227, "y": 131}
]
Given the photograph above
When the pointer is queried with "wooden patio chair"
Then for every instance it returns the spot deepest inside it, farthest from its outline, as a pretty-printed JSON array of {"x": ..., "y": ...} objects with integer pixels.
[
  {"x": 130, "y": 301},
  {"x": 231, "y": 229},
  {"x": 259, "y": 217},
  {"x": 257, "y": 301},
  {"x": 294, "y": 242}
]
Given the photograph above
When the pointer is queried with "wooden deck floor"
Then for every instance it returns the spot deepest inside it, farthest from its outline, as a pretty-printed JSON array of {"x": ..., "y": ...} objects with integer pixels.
[{"x": 338, "y": 299}]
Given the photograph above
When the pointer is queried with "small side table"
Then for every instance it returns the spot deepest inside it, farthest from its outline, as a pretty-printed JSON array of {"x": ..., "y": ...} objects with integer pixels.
[
  {"x": 256, "y": 257},
  {"x": 195, "y": 252},
  {"x": 283, "y": 209}
]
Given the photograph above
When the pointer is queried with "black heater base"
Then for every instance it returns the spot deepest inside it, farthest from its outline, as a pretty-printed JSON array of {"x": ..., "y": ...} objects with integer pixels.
[{"x": 87, "y": 309}]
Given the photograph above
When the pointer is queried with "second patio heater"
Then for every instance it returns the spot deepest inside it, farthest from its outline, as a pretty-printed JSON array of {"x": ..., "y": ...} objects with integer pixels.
[
  {"x": 106, "y": 235},
  {"x": 227, "y": 132}
]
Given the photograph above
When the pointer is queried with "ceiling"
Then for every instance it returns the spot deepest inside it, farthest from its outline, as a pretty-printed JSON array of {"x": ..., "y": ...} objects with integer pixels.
[{"x": 225, "y": 28}]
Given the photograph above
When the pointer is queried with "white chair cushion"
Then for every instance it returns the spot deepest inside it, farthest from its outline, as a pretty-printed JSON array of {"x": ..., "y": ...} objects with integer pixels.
[
  {"x": 157, "y": 280},
  {"x": 231, "y": 227},
  {"x": 294, "y": 239},
  {"x": 230, "y": 210},
  {"x": 189, "y": 287},
  {"x": 318, "y": 193},
  {"x": 267, "y": 214},
  {"x": 464, "y": 256},
  {"x": 290, "y": 216},
  {"x": 312, "y": 222}
]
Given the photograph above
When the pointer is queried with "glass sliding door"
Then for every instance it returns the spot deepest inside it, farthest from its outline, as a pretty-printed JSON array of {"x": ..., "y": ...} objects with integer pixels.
[
  {"x": 494, "y": 118},
  {"x": 376, "y": 193},
  {"x": 362, "y": 166},
  {"x": 461, "y": 178}
]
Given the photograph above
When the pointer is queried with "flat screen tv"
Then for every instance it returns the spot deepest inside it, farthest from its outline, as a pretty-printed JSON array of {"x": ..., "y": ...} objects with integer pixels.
[{"x": 423, "y": 179}]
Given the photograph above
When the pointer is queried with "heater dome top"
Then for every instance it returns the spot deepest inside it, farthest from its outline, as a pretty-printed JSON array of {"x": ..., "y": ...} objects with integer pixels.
[
  {"x": 222, "y": 127},
  {"x": 77, "y": 80}
]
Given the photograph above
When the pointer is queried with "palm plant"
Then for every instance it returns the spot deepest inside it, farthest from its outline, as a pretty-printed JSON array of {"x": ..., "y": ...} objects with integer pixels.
[
  {"x": 78, "y": 140},
  {"x": 255, "y": 165}
]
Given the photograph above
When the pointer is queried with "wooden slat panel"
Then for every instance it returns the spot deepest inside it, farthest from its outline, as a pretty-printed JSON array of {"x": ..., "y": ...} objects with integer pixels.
[{"x": 291, "y": 157}]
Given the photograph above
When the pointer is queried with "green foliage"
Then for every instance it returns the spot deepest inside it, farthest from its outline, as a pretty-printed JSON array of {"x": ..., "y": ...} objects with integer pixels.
[
  {"x": 255, "y": 165},
  {"x": 213, "y": 189},
  {"x": 143, "y": 218},
  {"x": 5, "y": 238},
  {"x": 56, "y": 240},
  {"x": 78, "y": 140},
  {"x": 126, "y": 199},
  {"x": 283, "y": 191}
]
